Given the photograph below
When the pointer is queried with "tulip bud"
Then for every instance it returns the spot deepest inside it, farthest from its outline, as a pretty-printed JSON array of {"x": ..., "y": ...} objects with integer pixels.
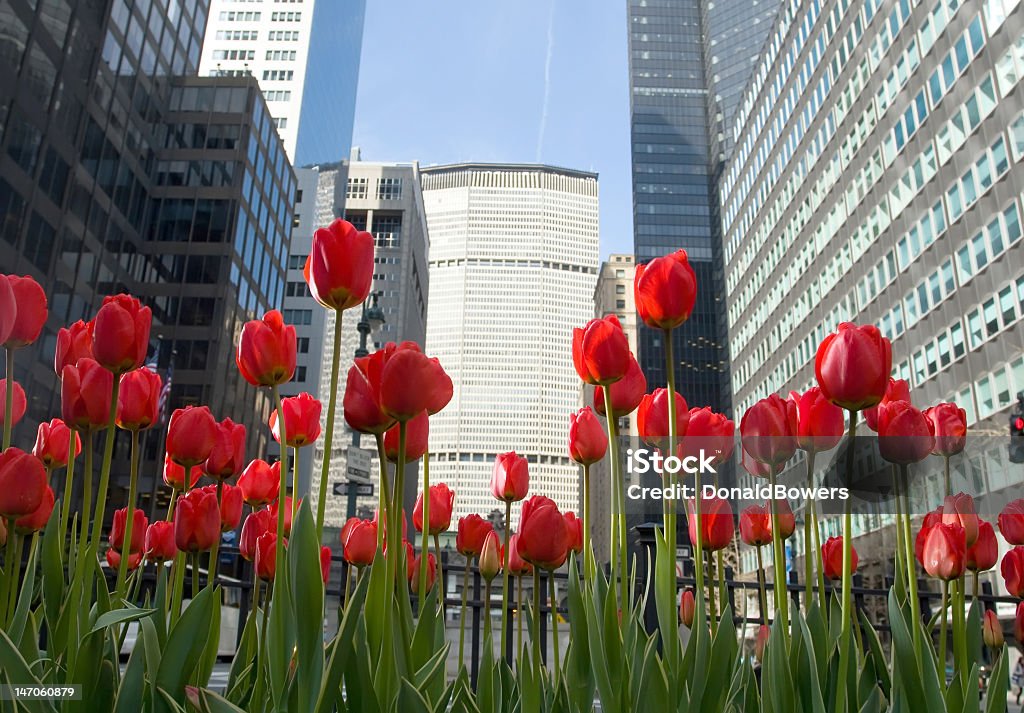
[
  {"x": 517, "y": 566},
  {"x": 984, "y": 553},
  {"x": 665, "y": 290},
  {"x": 931, "y": 519},
  {"x": 543, "y": 536},
  {"x": 85, "y": 394},
  {"x": 227, "y": 458},
  {"x": 1012, "y": 569},
  {"x": 114, "y": 559},
  {"x": 36, "y": 520},
  {"x": 992, "y": 630},
  {"x": 301, "y": 420},
  {"x": 411, "y": 382},
  {"x": 8, "y": 309},
  {"x": 52, "y": 443},
  {"x": 763, "y": 636},
  {"x": 819, "y": 421},
  {"x": 587, "y": 439},
  {"x": 652, "y": 418},
  {"x": 160, "y": 545},
  {"x": 417, "y": 432},
  {"x": 257, "y": 523},
  {"x": 442, "y": 500},
  {"x": 1011, "y": 522},
  {"x": 360, "y": 543},
  {"x": 191, "y": 435},
  {"x": 362, "y": 406},
  {"x": 20, "y": 403},
  {"x": 949, "y": 422},
  {"x": 73, "y": 343},
  {"x": 119, "y": 528},
  {"x": 230, "y": 505},
  {"x": 470, "y": 537},
  {"x": 756, "y": 525},
  {"x": 491, "y": 557},
  {"x": 687, "y": 608},
  {"x": 959, "y": 510},
  {"x": 414, "y": 572},
  {"x": 260, "y": 482},
  {"x": 266, "y": 351},
  {"x": 138, "y": 400},
  {"x": 196, "y": 521},
  {"x": 945, "y": 552},
  {"x": 325, "y": 563},
  {"x": 896, "y": 390},
  {"x": 626, "y": 393},
  {"x": 600, "y": 351},
  {"x": 29, "y": 314},
  {"x": 904, "y": 434},
  {"x": 710, "y": 433},
  {"x": 510, "y": 479},
  {"x": 288, "y": 509},
  {"x": 120, "y": 333},
  {"x": 1018, "y": 623},
  {"x": 22, "y": 483},
  {"x": 768, "y": 431},
  {"x": 853, "y": 366},
  {"x": 574, "y": 528},
  {"x": 266, "y": 556},
  {"x": 832, "y": 558},
  {"x": 339, "y": 269},
  {"x": 174, "y": 475},
  {"x": 716, "y": 523}
]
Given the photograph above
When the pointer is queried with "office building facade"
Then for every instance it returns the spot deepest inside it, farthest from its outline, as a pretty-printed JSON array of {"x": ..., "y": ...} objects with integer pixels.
[
  {"x": 513, "y": 267},
  {"x": 876, "y": 178},
  {"x": 305, "y": 55}
]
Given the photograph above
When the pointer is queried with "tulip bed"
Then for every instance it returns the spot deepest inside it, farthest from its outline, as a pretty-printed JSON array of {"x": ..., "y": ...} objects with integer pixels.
[{"x": 64, "y": 621}]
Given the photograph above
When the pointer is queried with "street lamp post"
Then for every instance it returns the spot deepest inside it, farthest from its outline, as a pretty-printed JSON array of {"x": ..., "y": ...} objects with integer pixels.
[{"x": 372, "y": 318}]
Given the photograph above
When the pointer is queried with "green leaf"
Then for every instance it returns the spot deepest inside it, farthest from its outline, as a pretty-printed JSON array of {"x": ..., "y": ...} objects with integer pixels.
[
  {"x": 243, "y": 663},
  {"x": 130, "y": 692},
  {"x": 308, "y": 602},
  {"x": 874, "y": 651},
  {"x": 342, "y": 646},
  {"x": 185, "y": 645},
  {"x": 16, "y": 670},
  {"x": 280, "y": 636},
  {"x": 210, "y": 702},
  {"x": 119, "y": 616},
  {"x": 53, "y": 571},
  {"x": 412, "y": 701},
  {"x": 995, "y": 699},
  {"x": 28, "y": 592},
  {"x": 209, "y": 656}
]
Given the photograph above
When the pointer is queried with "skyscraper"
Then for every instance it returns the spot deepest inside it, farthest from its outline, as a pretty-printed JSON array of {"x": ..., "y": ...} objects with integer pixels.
[
  {"x": 305, "y": 55},
  {"x": 513, "y": 265},
  {"x": 688, "y": 61}
]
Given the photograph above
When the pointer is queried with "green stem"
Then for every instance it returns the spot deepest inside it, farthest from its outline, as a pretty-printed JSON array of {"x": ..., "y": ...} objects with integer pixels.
[
  {"x": 949, "y": 484},
  {"x": 761, "y": 586},
  {"x": 712, "y": 606},
  {"x": 506, "y": 556},
  {"x": 65, "y": 506},
  {"x": 519, "y": 615},
  {"x": 553, "y": 595},
  {"x": 9, "y": 399},
  {"x": 808, "y": 539},
  {"x": 83, "y": 534},
  {"x": 255, "y": 601},
  {"x": 348, "y": 584},
  {"x": 779, "y": 558},
  {"x": 915, "y": 603},
  {"x": 847, "y": 585},
  {"x": 901, "y": 547},
  {"x": 325, "y": 467},
  {"x": 974, "y": 595},
  {"x": 960, "y": 636},
  {"x": 178, "y": 587},
  {"x": 440, "y": 574},
  {"x": 195, "y": 575},
  {"x": 723, "y": 592},
  {"x": 170, "y": 505},
  {"x": 133, "y": 480},
  {"x": 395, "y": 533},
  {"x": 618, "y": 523},
  {"x": 462, "y": 618},
  {"x": 108, "y": 455},
  {"x": 12, "y": 596},
  {"x": 424, "y": 535},
  {"x": 11, "y": 573},
  {"x": 941, "y": 663},
  {"x": 295, "y": 483},
  {"x": 282, "y": 486},
  {"x": 487, "y": 612},
  {"x": 670, "y": 512},
  {"x": 536, "y": 615},
  {"x": 211, "y": 574},
  {"x": 384, "y": 500},
  {"x": 588, "y": 545}
]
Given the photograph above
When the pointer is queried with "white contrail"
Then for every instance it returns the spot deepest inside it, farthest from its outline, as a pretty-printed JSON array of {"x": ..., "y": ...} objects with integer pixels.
[{"x": 547, "y": 81}]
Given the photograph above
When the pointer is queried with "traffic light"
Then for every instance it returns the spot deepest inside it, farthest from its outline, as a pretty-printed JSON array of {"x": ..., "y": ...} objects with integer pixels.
[{"x": 1017, "y": 432}]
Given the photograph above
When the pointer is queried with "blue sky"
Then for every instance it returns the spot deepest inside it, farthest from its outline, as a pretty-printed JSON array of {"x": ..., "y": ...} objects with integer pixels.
[{"x": 474, "y": 80}]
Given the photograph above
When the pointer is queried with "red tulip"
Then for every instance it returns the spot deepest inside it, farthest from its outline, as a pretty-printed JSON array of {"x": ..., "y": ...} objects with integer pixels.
[
  {"x": 3, "y": 532},
  {"x": 362, "y": 405},
  {"x": 411, "y": 382},
  {"x": 266, "y": 556},
  {"x": 227, "y": 459},
  {"x": 120, "y": 333},
  {"x": 470, "y": 537},
  {"x": 757, "y": 468},
  {"x": 665, "y": 290},
  {"x": 174, "y": 475},
  {"x": 260, "y": 482},
  {"x": 710, "y": 432},
  {"x": 73, "y": 343},
  {"x": 1011, "y": 522},
  {"x": 764, "y": 635},
  {"x": 574, "y": 528},
  {"x": 230, "y": 505},
  {"x": 896, "y": 390},
  {"x": 191, "y": 435},
  {"x": 853, "y": 366},
  {"x": 786, "y": 520},
  {"x": 160, "y": 545},
  {"x": 543, "y": 537},
  {"x": 196, "y": 521},
  {"x": 384, "y": 526},
  {"x": 301, "y": 420},
  {"x": 992, "y": 630},
  {"x": 138, "y": 400},
  {"x": 959, "y": 509},
  {"x": 756, "y": 525},
  {"x": 325, "y": 563},
  {"x": 949, "y": 422},
  {"x": 417, "y": 433},
  {"x": 904, "y": 434},
  {"x": 256, "y": 523},
  {"x": 1012, "y": 569},
  {"x": 52, "y": 441},
  {"x": 652, "y": 417},
  {"x": 510, "y": 479},
  {"x": 85, "y": 394},
  {"x": 984, "y": 553},
  {"x": 945, "y": 554},
  {"x": 30, "y": 313},
  {"x": 832, "y": 558},
  {"x": 769, "y": 430},
  {"x": 1018, "y": 622},
  {"x": 626, "y": 393},
  {"x": 410, "y": 561},
  {"x": 8, "y": 309},
  {"x": 37, "y": 519},
  {"x": 414, "y": 572},
  {"x": 114, "y": 559},
  {"x": 491, "y": 557},
  {"x": 442, "y": 500},
  {"x": 587, "y": 439},
  {"x": 22, "y": 483},
  {"x": 931, "y": 519},
  {"x": 119, "y": 528},
  {"x": 18, "y": 400},
  {"x": 716, "y": 523},
  {"x": 600, "y": 351},
  {"x": 819, "y": 421},
  {"x": 517, "y": 566},
  {"x": 287, "y": 513},
  {"x": 339, "y": 269},
  {"x": 360, "y": 543},
  {"x": 687, "y": 608},
  {"x": 266, "y": 351}
]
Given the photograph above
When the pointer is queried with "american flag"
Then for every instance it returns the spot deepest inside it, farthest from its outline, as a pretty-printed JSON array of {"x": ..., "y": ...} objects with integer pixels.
[{"x": 165, "y": 390}]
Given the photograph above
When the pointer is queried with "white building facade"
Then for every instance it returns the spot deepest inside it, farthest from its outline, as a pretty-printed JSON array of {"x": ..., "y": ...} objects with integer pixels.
[{"x": 513, "y": 267}]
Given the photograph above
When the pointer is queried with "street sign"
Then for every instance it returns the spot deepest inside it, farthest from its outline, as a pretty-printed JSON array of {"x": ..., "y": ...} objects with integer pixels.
[
  {"x": 358, "y": 465},
  {"x": 362, "y": 489}
]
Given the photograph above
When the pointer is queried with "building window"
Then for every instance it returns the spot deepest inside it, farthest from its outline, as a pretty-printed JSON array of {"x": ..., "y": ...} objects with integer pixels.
[
  {"x": 302, "y": 345},
  {"x": 300, "y": 373},
  {"x": 357, "y": 218},
  {"x": 389, "y": 189},
  {"x": 298, "y": 316},
  {"x": 278, "y": 75},
  {"x": 620, "y": 304},
  {"x": 281, "y": 55},
  {"x": 296, "y": 262},
  {"x": 356, "y": 188},
  {"x": 387, "y": 230},
  {"x": 620, "y": 289}
]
